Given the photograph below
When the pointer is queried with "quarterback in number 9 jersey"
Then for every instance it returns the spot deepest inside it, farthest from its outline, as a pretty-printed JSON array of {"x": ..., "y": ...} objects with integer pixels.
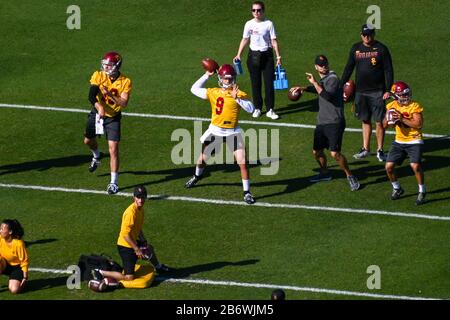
[{"x": 226, "y": 103}]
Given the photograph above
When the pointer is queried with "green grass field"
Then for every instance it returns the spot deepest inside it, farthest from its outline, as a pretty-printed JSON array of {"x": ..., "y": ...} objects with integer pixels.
[{"x": 325, "y": 240}]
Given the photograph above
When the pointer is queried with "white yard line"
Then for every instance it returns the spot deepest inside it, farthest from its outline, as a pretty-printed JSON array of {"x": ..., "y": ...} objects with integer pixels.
[
  {"x": 262, "y": 285},
  {"x": 237, "y": 203},
  {"x": 171, "y": 117}
]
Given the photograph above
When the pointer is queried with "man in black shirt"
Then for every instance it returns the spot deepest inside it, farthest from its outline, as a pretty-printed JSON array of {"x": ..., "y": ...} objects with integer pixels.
[{"x": 374, "y": 78}]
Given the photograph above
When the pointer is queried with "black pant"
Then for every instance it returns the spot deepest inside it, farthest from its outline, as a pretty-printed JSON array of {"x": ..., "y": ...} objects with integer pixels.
[{"x": 262, "y": 63}]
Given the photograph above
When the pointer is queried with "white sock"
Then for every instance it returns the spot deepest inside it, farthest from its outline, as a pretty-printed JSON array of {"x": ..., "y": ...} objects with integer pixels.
[
  {"x": 422, "y": 188},
  {"x": 246, "y": 185},
  {"x": 96, "y": 153},
  {"x": 396, "y": 185},
  {"x": 199, "y": 171},
  {"x": 114, "y": 177}
]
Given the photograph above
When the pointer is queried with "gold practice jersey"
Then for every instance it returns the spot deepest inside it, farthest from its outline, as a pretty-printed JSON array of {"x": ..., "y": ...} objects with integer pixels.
[
  {"x": 15, "y": 253},
  {"x": 403, "y": 133},
  {"x": 132, "y": 222},
  {"x": 225, "y": 109},
  {"x": 120, "y": 85}
]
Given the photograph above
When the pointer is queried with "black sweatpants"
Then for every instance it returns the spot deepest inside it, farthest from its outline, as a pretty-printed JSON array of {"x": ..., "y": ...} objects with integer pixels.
[{"x": 262, "y": 64}]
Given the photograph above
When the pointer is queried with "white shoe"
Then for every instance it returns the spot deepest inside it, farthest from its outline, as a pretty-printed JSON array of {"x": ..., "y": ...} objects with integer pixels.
[
  {"x": 256, "y": 113},
  {"x": 271, "y": 114}
]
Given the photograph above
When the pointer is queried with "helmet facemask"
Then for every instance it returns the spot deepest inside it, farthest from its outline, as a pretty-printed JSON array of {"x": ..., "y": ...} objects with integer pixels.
[
  {"x": 401, "y": 92},
  {"x": 110, "y": 68},
  {"x": 230, "y": 83}
]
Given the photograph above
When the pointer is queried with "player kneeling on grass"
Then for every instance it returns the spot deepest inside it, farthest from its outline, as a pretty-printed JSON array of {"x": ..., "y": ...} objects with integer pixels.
[
  {"x": 226, "y": 103},
  {"x": 330, "y": 121},
  {"x": 13, "y": 255},
  {"x": 131, "y": 243},
  {"x": 406, "y": 116}
]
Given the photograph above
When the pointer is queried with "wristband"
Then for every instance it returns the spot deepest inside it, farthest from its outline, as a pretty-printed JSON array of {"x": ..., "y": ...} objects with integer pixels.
[{"x": 278, "y": 57}]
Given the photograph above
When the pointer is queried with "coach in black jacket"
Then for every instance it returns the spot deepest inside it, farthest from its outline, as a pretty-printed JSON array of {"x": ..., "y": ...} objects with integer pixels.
[{"x": 374, "y": 78}]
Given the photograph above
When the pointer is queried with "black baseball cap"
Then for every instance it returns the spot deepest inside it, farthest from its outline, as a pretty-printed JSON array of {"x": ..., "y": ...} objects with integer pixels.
[
  {"x": 140, "y": 192},
  {"x": 321, "y": 60},
  {"x": 367, "y": 29}
]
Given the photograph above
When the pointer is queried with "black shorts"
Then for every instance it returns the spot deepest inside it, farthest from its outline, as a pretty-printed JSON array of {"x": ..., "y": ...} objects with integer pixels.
[
  {"x": 14, "y": 272},
  {"x": 399, "y": 151},
  {"x": 329, "y": 136},
  {"x": 129, "y": 259},
  {"x": 111, "y": 127},
  {"x": 370, "y": 106}
]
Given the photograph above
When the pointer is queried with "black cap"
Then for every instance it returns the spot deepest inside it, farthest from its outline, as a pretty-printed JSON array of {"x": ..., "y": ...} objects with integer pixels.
[
  {"x": 367, "y": 29},
  {"x": 321, "y": 60},
  {"x": 140, "y": 192}
]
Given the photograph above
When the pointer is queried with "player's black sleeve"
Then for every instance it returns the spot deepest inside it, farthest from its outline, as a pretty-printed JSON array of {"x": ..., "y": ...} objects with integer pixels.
[
  {"x": 93, "y": 91},
  {"x": 348, "y": 70},
  {"x": 388, "y": 69}
]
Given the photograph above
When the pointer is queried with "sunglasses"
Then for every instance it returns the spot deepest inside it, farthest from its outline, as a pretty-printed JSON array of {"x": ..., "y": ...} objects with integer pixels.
[{"x": 257, "y": 10}]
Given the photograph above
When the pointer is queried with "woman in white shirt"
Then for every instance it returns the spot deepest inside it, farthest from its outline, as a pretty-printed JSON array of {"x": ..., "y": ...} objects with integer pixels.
[{"x": 260, "y": 34}]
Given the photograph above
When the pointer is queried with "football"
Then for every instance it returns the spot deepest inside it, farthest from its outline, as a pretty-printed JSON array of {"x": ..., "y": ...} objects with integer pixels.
[
  {"x": 349, "y": 89},
  {"x": 97, "y": 285},
  {"x": 392, "y": 116},
  {"x": 110, "y": 283},
  {"x": 210, "y": 65},
  {"x": 294, "y": 96}
]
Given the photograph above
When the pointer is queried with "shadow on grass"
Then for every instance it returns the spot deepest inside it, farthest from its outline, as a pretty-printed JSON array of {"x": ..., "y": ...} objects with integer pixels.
[
  {"x": 308, "y": 105},
  {"x": 188, "y": 271},
  {"x": 184, "y": 173},
  {"x": 42, "y": 165},
  {"x": 41, "y": 241},
  {"x": 47, "y": 283}
]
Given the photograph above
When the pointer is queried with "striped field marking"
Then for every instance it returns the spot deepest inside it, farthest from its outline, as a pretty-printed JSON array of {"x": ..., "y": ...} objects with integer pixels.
[
  {"x": 261, "y": 285},
  {"x": 236, "y": 203},
  {"x": 170, "y": 117}
]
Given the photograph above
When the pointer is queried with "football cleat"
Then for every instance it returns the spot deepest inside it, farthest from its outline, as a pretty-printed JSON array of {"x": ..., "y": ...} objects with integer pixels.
[
  {"x": 112, "y": 188},
  {"x": 361, "y": 154},
  {"x": 381, "y": 156},
  {"x": 248, "y": 198},
  {"x": 353, "y": 182},
  {"x": 96, "y": 274},
  {"x": 94, "y": 164},
  {"x": 396, "y": 193},
  {"x": 192, "y": 181},
  {"x": 420, "y": 198}
]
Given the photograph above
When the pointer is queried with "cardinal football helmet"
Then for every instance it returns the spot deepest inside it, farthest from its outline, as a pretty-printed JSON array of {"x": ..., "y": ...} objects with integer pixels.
[
  {"x": 111, "y": 63},
  {"x": 226, "y": 72},
  {"x": 401, "y": 92}
]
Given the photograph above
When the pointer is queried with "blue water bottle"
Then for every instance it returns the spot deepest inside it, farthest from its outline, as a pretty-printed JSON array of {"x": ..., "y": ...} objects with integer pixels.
[
  {"x": 282, "y": 74},
  {"x": 237, "y": 66}
]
